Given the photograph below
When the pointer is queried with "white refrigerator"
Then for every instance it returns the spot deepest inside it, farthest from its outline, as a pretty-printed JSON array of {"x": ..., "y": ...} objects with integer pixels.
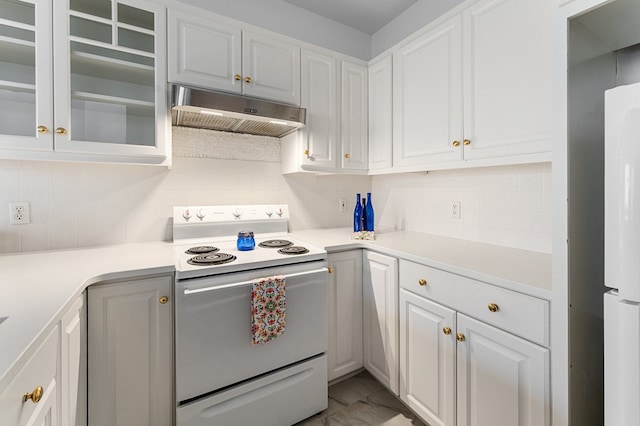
[{"x": 622, "y": 256}]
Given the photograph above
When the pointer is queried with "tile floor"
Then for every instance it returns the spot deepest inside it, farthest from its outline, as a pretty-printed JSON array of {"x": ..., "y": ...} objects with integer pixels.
[{"x": 362, "y": 400}]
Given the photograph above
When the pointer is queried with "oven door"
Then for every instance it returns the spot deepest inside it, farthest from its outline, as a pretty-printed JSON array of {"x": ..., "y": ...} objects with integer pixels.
[{"x": 213, "y": 327}]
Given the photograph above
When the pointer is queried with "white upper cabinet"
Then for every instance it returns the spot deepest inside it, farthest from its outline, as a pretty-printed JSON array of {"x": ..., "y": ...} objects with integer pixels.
[
  {"x": 96, "y": 92},
  {"x": 381, "y": 113},
  {"x": 354, "y": 122},
  {"x": 320, "y": 95},
  {"x": 507, "y": 78},
  {"x": 215, "y": 55},
  {"x": 203, "y": 54},
  {"x": 427, "y": 97}
]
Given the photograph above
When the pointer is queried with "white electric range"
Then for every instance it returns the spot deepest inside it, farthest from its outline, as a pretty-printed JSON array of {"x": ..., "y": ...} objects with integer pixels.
[{"x": 221, "y": 377}]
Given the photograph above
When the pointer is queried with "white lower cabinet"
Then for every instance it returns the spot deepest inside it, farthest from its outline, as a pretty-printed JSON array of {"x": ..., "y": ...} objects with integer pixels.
[
  {"x": 428, "y": 358},
  {"x": 47, "y": 388},
  {"x": 457, "y": 370},
  {"x": 344, "y": 354},
  {"x": 380, "y": 318},
  {"x": 130, "y": 352}
]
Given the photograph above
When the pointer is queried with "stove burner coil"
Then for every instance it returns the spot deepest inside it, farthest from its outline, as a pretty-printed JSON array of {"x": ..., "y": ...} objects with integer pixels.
[
  {"x": 211, "y": 259},
  {"x": 275, "y": 243},
  {"x": 202, "y": 250},
  {"x": 293, "y": 250}
]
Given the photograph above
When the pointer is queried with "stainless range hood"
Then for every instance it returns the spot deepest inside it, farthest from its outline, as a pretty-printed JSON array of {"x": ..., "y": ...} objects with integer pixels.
[{"x": 204, "y": 109}]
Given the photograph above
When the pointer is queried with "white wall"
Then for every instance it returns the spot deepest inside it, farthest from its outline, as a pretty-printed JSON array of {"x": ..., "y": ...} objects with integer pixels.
[
  {"x": 83, "y": 205},
  {"x": 508, "y": 206}
]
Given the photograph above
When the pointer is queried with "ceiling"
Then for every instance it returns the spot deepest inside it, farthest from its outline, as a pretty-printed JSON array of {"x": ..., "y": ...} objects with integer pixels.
[{"x": 365, "y": 15}]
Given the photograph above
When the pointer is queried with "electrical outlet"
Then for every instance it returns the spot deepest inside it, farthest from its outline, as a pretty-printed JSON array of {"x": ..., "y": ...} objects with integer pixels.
[
  {"x": 19, "y": 213},
  {"x": 342, "y": 205},
  {"x": 455, "y": 210}
]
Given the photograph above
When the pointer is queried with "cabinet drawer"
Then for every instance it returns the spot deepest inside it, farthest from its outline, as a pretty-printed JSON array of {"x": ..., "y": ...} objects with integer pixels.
[
  {"x": 517, "y": 313},
  {"x": 39, "y": 370}
]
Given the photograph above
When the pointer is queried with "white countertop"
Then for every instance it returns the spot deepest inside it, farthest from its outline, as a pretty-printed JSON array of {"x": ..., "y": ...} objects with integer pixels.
[{"x": 36, "y": 288}]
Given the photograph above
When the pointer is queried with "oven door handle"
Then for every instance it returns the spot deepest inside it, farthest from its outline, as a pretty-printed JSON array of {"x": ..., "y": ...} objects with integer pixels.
[{"x": 188, "y": 291}]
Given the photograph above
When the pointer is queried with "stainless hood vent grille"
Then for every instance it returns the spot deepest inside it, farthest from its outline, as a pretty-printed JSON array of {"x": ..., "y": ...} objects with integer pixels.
[{"x": 232, "y": 113}]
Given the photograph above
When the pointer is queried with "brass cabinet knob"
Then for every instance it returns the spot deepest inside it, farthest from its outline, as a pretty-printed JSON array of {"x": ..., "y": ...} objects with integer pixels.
[
  {"x": 61, "y": 131},
  {"x": 460, "y": 337},
  {"x": 446, "y": 330},
  {"x": 163, "y": 300},
  {"x": 306, "y": 152},
  {"x": 238, "y": 77},
  {"x": 422, "y": 282},
  {"x": 466, "y": 142},
  {"x": 347, "y": 156},
  {"x": 330, "y": 270},
  {"x": 34, "y": 396},
  {"x": 493, "y": 307},
  {"x": 247, "y": 80},
  {"x": 42, "y": 129},
  {"x": 456, "y": 144}
]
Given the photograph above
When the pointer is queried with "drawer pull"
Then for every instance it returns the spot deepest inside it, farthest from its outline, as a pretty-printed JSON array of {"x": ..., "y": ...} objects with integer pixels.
[
  {"x": 163, "y": 300},
  {"x": 493, "y": 307},
  {"x": 34, "y": 396},
  {"x": 330, "y": 269},
  {"x": 422, "y": 282},
  {"x": 460, "y": 337},
  {"x": 446, "y": 330}
]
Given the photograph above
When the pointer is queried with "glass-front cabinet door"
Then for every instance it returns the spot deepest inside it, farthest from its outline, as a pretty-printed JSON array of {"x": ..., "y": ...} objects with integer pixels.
[
  {"x": 109, "y": 60},
  {"x": 26, "y": 84}
]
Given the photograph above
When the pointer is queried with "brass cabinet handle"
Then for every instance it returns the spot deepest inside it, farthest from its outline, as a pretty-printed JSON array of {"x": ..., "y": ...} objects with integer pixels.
[
  {"x": 330, "y": 270},
  {"x": 238, "y": 77},
  {"x": 466, "y": 142},
  {"x": 34, "y": 396},
  {"x": 61, "y": 131},
  {"x": 456, "y": 144},
  {"x": 347, "y": 156},
  {"x": 446, "y": 330},
  {"x": 460, "y": 337},
  {"x": 422, "y": 282},
  {"x": 247, "y": 80},
  {"x": 493, "y": 307},
  {"x": 42, "y": 129},
  {"x": 163, "y": 300}
]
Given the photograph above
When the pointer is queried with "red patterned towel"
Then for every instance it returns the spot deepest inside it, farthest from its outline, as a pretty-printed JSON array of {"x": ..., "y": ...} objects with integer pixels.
[{"x": 267, "y": 309}]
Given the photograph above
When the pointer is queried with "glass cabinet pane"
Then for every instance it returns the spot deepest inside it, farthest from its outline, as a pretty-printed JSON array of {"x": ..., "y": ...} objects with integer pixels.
[
  {"x": 17, "y": 68},
  {"x": 113, "y": 78}
]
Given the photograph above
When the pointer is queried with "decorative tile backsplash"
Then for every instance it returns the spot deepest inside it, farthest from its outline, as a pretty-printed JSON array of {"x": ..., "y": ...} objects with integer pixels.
[{"x": 84, "y": 205}]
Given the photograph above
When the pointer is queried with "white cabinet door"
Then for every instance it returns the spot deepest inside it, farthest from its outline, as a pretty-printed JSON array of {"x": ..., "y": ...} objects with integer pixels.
[
  {"x": 320, "y": 94},
  {"x": 381, "y": 114},
  {"x": 26, "y": 76},
  {"x": 344, "y": 354},
  {"x": 203, "y": 53},
  {"x": 110, "y": 87},
  {"x": 507, "y": 78},
  {"x": 427, "y": 97},
  {"x": 130, "y": 352},
  {"x": 380, "y": 318},
  {"x": 354, "y": 117},
  {"x": 428, "y": 358},
  {"x": 39, "y": 373},
  {"x": 271, "y": 69},
  {"x": 502, "y": 380},
  {"x": 73, "y": 353}
]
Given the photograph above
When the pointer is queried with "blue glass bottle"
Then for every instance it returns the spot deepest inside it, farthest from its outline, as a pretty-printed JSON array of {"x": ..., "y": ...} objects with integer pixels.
[
  {"x": 369, "y": 213},
  {"x": 357, "y": 215},
  {"x": 364, "y": 214}
]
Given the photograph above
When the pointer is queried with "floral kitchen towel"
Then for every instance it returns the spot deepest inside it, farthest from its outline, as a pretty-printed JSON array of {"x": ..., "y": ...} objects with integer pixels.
[{"x": 268, "y": 303}]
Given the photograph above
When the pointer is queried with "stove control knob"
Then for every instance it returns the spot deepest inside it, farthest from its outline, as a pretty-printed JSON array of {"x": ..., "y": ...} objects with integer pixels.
[
  {"x": 237, "y": 213},
  {"x": 200, "y": 214},
  {"x": 279, "y": 212},
  {"x": 269, "y": 211},
  {"x": 186, "y": 214}
]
